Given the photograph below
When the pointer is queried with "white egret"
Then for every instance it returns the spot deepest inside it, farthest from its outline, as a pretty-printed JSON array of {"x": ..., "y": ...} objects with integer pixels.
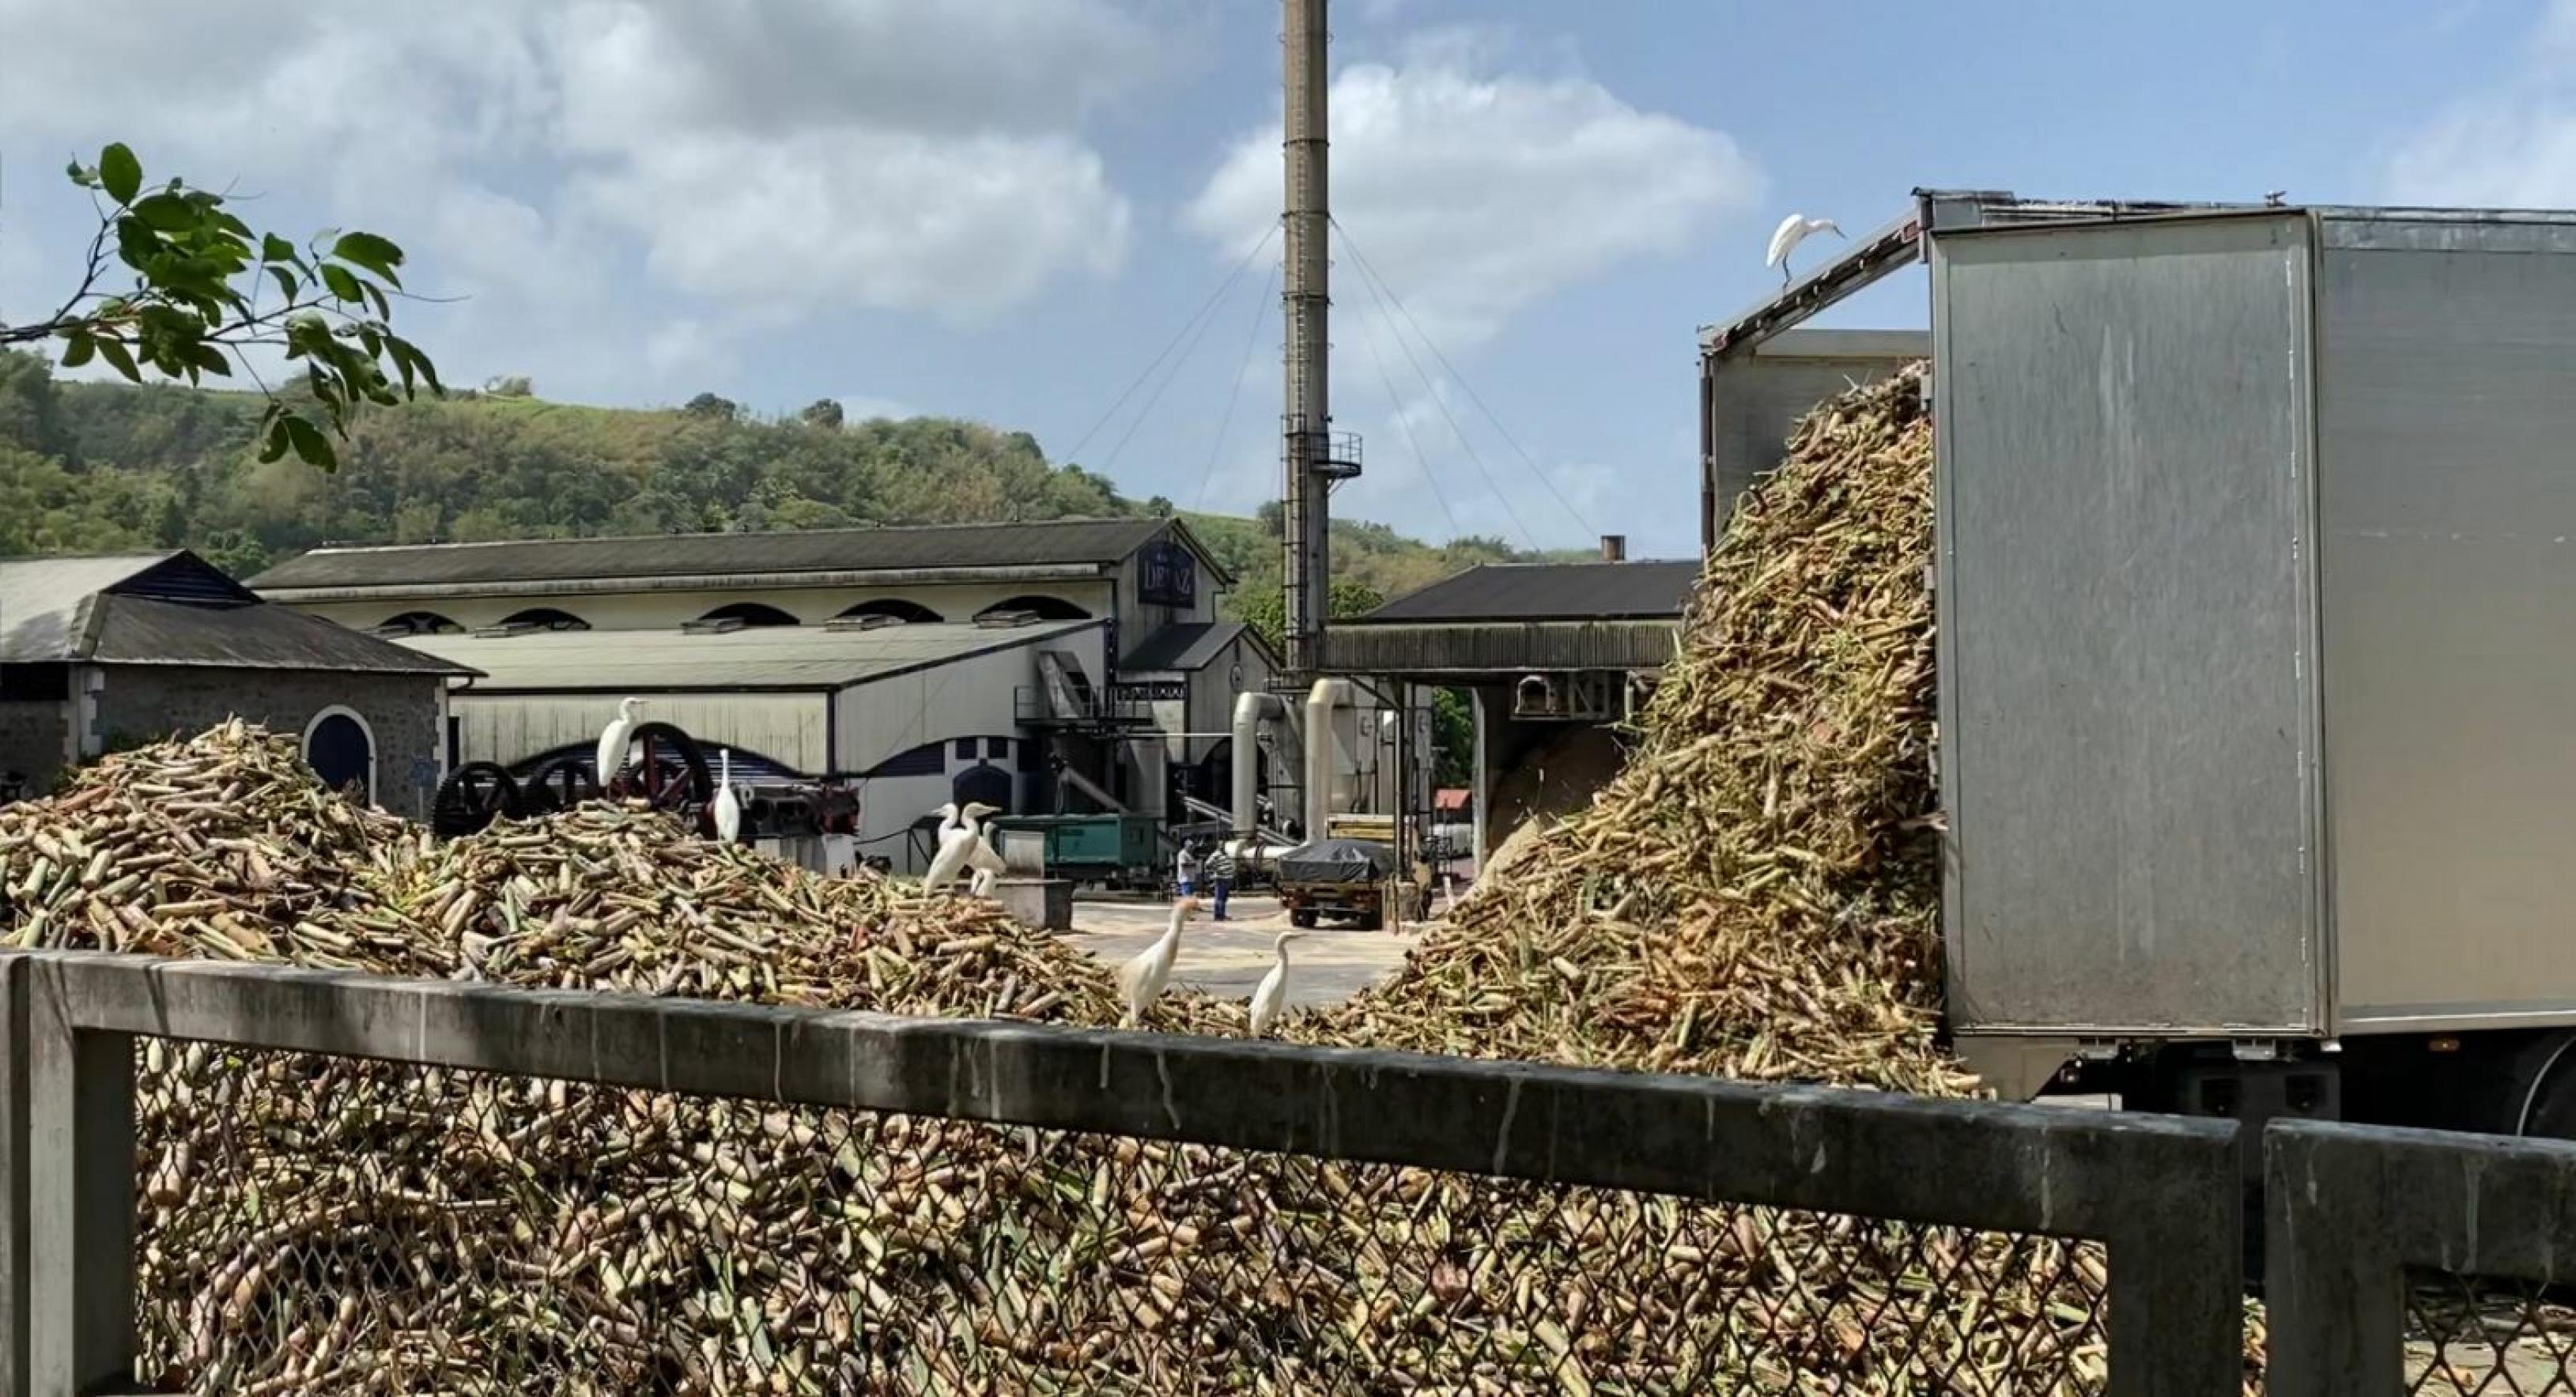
[
  {"x": 980, "y": 856},
  {"x": 1273, "y": 993},
  {"x": 955, "y": 848},
  {"x": 1792, "y": 231},
  {"x": 728, "y": 806},
  {"x": 613, "y": 740},
  {"x": 1141, "y": 981}
]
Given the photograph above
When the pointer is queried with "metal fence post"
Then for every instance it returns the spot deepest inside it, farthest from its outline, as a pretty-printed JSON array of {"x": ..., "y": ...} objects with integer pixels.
[
  {"x": 17, "y": 1282},
  {"x": 80, "y": 1187},
  {"x": 2331, "y": 1277},
  {"x": 2177, "y": 1323}
]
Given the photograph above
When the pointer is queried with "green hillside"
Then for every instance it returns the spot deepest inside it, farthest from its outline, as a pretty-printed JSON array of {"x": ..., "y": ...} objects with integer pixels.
[{"x": 92, "y": 466}]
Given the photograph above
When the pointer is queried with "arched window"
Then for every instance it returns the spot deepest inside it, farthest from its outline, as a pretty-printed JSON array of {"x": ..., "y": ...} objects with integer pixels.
[
  {"x": 750, "y": 613},
  {"x": 1045, "y": 608},
  {"x": 341, "y": 749},
  {"x": 897, "y": 607},
  {"x": 546, "y": 618},
  {"x": 417, "y": 623}
]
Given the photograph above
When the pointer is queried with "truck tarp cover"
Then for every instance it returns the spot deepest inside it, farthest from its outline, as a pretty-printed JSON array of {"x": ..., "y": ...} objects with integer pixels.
[{"x": 1337, "y": 861}]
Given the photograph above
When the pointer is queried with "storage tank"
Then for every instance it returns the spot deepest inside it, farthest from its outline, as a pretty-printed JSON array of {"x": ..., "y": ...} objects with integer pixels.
[{"x": 2257, "y": 598}]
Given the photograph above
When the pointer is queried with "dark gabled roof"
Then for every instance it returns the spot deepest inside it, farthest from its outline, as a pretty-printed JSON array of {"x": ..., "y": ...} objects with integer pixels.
[
  {"x": 1060, "y": 542},
  {"x": 173, "y": 608},
  {"x": 1184, "y": 647},
  {"x": 1640, "y": 591},
  {"x": 142, "y": 631}
]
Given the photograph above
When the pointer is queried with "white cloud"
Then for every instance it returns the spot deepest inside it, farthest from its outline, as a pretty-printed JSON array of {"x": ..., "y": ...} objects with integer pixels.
[
  {"x": 2512, "y": 146},
  {"x": 781, "y": 161},
  {"x": 1475, "y": 193}
]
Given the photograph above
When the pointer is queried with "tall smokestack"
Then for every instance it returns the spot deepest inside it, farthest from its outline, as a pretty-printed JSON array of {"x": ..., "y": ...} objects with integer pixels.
[{"x": 1305, "y": 303}]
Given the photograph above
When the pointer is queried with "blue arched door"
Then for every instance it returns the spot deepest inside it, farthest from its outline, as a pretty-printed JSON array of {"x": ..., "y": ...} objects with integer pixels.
[{"x": 340, "y": 752}]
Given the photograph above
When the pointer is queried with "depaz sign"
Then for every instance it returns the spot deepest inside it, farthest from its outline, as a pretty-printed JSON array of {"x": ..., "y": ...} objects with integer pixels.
[{"x": 1168, "y": 575}]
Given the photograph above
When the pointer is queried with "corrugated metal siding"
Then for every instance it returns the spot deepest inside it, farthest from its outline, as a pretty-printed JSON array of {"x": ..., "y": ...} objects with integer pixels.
[
  {"x": 965, "y": 698},
  {"x": 508, "y": 729},
  {"x": 2127, "y": 742},
  {"x": 2448, "y": 502}
]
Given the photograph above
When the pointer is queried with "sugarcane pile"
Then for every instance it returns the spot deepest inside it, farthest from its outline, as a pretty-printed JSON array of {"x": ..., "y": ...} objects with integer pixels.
[{"x": 1756, "y": 893}]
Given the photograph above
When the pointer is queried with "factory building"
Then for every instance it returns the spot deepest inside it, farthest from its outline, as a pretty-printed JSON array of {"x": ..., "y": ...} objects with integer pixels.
[
  {"x": 107, "y": 652},
  {"x": 1071, "y": 665},
  {"x": 1554, "y": 657}
]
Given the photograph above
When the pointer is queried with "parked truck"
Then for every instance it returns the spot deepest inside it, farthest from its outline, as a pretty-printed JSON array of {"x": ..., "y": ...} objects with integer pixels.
[{"x": 2256, "y": 594}]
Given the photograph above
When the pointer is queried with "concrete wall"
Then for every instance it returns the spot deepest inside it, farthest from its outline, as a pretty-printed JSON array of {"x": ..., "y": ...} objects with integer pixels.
[
  {"x": 510, "y": 728},
  {"x": 33, "y": 739},
  {"x": 145, "y": 703},
  {"x": 644, "y": 611}
]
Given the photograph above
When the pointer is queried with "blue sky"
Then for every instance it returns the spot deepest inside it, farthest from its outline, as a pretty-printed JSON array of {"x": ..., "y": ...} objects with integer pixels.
[{"x": 1003, "y": 209}]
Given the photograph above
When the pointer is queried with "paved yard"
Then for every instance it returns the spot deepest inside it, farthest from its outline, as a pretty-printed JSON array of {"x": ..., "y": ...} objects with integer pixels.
[{"x": 1228, "y": 958}]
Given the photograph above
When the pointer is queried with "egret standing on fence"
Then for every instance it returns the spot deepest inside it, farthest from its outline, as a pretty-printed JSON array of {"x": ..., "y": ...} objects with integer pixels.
[
  {"x": 1792, "y": 231},
  {"x": 1141, "y": 981},
  {"x": 1272, "y": 996}
]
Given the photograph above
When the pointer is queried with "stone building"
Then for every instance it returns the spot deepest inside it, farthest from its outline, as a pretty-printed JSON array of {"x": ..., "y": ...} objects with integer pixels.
[{"x": 102, "y": 653}]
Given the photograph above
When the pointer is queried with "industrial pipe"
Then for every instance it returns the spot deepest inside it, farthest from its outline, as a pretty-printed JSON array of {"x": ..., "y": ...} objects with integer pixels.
[
  {"x": 1250, "y": 712},
  {"x": 1321, "y": 700}
]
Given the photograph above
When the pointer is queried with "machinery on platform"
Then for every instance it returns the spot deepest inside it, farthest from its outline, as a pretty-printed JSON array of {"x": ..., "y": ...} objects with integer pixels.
[{"x": 667, "y": 770}]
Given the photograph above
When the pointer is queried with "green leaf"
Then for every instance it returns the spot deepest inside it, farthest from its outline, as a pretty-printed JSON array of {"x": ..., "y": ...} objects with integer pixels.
[
  {"x": 310, "y": 444},
  {"x": 273, "y": 248},
  {"x": 115, "y": 354},
  {"x": 383, "y": 310},
  {"x": 209, "y": 358},
  {"x": 78, "y": 351},
  {"x": 136, "y": 243},
  {"x": 167, "y": 212},
  {"x": 120, "y": 172},
  {"x": 342, "y": 281},
  {"x": 273, "y": 443},
  {"x": 366, "y": 250},
  {"x": 285, "y": 283}
]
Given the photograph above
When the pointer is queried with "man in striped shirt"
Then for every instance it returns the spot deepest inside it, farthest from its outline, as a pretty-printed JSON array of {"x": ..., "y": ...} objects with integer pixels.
[{"x": 1219, "y": 871}]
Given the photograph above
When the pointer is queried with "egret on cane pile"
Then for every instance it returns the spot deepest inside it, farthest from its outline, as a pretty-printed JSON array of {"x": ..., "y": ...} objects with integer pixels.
[
  {"x": 728, "y": 806},
  {"x": 612, "y": 741},
  {"x": 987, "y": 865},
  {"x": 1792, "y": 231},
  {"x": 1272, "y": 996},
  {"x": 955, "y": 848},
  {"x": 1141, "y": 981}
]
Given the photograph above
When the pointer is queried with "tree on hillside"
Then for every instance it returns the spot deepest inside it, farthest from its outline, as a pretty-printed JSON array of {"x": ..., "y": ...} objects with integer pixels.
[
  {"x": 712, "y": 407},
  {"x": 823, "y": 412},
  {"x": 192, "y": 299}
]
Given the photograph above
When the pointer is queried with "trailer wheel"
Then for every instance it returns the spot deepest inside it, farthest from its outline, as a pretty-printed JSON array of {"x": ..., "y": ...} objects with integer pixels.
[
  {"x": 1303, "y": 919},
  {"x": 2548, "y": 1105}
]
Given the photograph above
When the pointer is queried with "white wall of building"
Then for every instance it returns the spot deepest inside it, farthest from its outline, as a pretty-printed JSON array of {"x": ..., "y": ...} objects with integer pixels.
[{"x": 651, "y": 610}]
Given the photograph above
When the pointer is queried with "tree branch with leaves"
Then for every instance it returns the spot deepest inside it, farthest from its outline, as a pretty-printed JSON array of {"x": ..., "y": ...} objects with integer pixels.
[{"x": 199, "y": 301}]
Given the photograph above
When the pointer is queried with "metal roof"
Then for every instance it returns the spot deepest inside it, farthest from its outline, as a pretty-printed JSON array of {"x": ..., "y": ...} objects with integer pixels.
[
  {"x": 755, "y": 658},
  {"x": 1546, "y": 592},
  {"x": 173, "y": 608},
  {"x": 1186, "y": 646},
  {"x": 1096, "y": 543}
]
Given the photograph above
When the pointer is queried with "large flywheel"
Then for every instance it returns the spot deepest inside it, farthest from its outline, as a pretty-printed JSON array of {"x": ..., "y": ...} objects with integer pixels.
[
  {"x": 666, "y": 770},
  {"x": 471, "y": 798},
  {"x": 559, "y": 785}
]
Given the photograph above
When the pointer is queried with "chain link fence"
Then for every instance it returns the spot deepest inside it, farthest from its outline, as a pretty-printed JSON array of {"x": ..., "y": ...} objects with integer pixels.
[
  {"x": 2483, "y": 1334},
  {"x": 326, "y": 1225}
]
